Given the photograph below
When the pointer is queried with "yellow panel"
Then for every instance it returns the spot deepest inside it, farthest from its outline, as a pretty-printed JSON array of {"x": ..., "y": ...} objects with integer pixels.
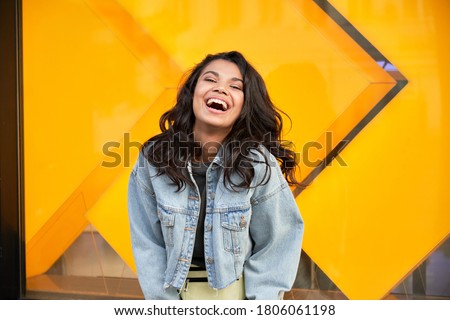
[
  {"x": 109, "y": 213},
  {"x": 108, "y": 218},
  {"x": 137, "y": 40},
  {"x": 78, "y": 95},
  {"x": 83, "y": 88},
  {"x": 369, "y": 224},
  {"x": 49, "y": 236}
]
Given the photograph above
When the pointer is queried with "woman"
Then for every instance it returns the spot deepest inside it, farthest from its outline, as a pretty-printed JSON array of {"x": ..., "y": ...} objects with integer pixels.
[{"x": 211, "y": 192}]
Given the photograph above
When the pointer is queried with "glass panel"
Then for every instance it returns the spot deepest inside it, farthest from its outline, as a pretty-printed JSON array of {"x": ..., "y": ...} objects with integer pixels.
[
  {"x": 430, "y": 280},
  {"x": 89, "y": 269}
]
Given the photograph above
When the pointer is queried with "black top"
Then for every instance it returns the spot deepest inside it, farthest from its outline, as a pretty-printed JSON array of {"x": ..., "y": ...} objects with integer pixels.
[{"x": 199, "y": 173}]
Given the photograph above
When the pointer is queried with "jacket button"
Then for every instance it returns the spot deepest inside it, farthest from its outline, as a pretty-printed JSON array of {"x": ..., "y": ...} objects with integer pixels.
[
  {"x": 243, "y": 223},
  {"x": 209, "y": 260},
  {"x": 208, "y": 227}
]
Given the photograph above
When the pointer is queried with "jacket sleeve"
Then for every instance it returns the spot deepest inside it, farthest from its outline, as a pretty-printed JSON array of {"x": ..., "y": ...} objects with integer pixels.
[
  {"x": 146, "y": 235},
  {"x": 276, "y": 229}
]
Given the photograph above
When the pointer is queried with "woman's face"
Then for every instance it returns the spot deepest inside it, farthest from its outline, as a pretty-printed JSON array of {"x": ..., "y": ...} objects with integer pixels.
[{"x": 218, "y": 97}]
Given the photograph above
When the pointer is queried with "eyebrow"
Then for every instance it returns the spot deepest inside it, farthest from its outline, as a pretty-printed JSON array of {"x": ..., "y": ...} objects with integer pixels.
[{"x": 217, "y": 75}]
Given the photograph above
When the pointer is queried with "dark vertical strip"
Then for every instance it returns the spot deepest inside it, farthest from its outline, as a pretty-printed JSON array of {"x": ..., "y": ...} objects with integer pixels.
[{"x": 12, "y": 253}]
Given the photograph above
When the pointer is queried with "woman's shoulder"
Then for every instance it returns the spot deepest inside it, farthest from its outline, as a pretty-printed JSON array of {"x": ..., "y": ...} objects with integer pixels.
[
  {"x": 143, "y": 167},
  {"x": 266, "y": 166},
  {"x": 269, "y": 179},
  {"x": 261, "y": 154}
]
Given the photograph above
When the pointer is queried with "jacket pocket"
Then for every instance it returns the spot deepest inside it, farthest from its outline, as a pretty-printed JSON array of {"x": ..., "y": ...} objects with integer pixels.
[
  {"x": 235, "y": 229},
  {"x": 167, "y": 222}
]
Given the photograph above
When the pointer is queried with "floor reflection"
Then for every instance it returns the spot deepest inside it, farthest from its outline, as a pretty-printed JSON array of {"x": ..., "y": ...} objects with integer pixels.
[{"x": 91, "y": 269}]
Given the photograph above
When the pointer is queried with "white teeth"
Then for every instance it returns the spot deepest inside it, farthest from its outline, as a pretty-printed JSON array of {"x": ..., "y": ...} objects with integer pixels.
[{"x": 218, "y": 101}]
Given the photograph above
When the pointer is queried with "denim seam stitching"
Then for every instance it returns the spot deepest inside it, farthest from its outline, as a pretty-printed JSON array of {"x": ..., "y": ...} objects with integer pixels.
[
  {"x": 266, "y": 197},
  {"x": 144, "y": 187}
]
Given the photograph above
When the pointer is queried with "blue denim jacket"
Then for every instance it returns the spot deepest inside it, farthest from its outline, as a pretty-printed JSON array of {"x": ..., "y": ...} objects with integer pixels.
[{"x": 254, "y": 232}]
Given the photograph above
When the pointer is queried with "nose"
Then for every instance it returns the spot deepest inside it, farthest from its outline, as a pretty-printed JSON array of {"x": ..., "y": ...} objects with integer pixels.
[{"x": 220, "y": 89}]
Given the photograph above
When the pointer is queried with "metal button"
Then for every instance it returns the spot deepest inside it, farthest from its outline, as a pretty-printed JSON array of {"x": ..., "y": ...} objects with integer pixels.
[
  {"x": 209, "y": 260},
  {"x": 243, "y": 223}
]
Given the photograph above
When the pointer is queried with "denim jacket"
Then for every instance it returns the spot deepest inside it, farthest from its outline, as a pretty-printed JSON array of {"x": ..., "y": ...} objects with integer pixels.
[{"x": 254, "y": 232}]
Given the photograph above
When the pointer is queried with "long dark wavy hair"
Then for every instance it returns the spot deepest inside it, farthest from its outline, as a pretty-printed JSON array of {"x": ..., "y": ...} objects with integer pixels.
[{"x": 260, "y": 123}]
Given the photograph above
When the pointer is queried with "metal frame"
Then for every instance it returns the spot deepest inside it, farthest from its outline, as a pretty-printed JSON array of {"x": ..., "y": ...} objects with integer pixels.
[{"x": 12, "y": 235}]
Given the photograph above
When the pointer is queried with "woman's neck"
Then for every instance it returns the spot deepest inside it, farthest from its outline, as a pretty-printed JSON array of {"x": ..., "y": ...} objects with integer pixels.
[{"x": 211, "y": 143}]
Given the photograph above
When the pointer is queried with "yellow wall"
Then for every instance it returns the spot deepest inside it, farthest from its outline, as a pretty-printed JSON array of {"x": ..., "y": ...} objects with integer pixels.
[{"x": 100, "y": 71}]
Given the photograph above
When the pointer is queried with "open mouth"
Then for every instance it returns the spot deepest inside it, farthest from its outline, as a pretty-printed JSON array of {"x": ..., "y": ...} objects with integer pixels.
[{"x": 217, "y": 104}]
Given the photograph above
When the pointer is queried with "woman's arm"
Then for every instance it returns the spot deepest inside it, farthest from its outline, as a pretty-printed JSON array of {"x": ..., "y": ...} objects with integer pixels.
[
  {"x": 276, "y": 228},
  {"x": 146, "y": 235}
]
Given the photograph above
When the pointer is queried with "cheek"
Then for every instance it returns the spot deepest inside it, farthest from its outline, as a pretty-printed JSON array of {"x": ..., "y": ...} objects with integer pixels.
[
  {"x": 240, "y": 103},
  {"x": 197, "y": 99},
  {"x": 196, "y": 107}
]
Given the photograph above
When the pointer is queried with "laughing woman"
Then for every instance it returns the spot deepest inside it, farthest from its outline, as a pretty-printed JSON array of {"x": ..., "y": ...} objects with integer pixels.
[{"x": 211, "y": 212}]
